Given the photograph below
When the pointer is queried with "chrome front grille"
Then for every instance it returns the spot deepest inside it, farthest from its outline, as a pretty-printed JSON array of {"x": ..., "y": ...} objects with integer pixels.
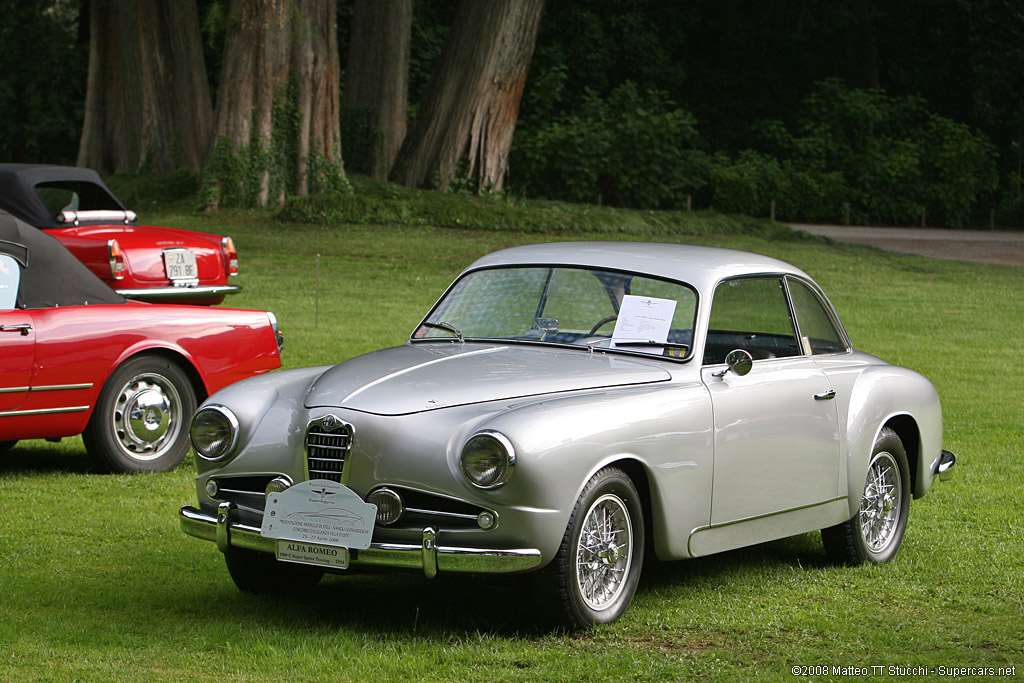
[{"x": 328, "y": 442}]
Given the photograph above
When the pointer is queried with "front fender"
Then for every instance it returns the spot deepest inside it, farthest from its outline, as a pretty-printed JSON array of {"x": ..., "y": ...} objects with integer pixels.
[
  {"x": 905, "y": 400},
  {"x": 274, "y": 399},
  {"x": 561, "y": 442}
]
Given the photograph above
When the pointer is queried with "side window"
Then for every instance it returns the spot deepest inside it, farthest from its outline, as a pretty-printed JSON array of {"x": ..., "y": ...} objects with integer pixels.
[
  {"x": 750, "y": 314},
  {"x": 10, "y": 275},
  {"x": 817, "y": 332}
]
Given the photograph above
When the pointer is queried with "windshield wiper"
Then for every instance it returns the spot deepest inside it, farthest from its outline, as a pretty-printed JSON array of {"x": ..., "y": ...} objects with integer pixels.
[
  {"x": 625, "y": 343},
  {"x": 446, "y": 327}
]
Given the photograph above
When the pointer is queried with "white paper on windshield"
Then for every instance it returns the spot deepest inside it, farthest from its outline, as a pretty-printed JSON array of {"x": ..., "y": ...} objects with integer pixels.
[
  {"x": 320, "y": 511},
  {"x": 645, "y": 319}
]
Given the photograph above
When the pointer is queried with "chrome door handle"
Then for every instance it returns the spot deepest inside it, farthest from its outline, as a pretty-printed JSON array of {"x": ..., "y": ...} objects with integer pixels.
[
  {"x": 23, "y": 328},
  {"x": 827, "y": 396}
]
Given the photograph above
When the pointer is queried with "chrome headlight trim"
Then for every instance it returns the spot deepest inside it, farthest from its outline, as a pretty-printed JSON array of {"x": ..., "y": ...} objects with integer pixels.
[
  {"x": 488, "y": 460},
  {"x": 214, "y": 432}
]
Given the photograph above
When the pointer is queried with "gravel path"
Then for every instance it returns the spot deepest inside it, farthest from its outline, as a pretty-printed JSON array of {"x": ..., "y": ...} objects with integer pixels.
[{"x": 983, "y": 246}]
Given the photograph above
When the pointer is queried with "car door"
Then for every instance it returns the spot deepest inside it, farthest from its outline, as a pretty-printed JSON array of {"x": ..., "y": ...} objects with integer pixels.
[
  {"x": 17, "y": 342},
  {"x": 776, "y": 427}
]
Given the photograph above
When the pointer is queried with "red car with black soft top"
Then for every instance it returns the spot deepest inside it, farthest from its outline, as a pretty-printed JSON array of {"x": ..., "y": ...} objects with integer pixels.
[
  {"x": 78, "y": 358},
  {"x": 140, "y": 262}
]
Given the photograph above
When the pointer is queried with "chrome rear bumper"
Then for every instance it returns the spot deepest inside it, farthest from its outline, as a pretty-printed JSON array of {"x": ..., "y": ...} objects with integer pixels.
[
  {"x": 226, "y": 531},
  {"x": 944, "y": 465},
  {"x": 176, "y": 293}
]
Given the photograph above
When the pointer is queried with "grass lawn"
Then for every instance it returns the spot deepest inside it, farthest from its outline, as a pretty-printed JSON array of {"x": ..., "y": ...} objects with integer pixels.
[{"x": 98, "y": 584}]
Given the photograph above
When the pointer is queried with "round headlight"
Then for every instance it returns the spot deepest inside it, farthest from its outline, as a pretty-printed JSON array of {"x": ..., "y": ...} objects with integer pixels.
[
  {"x": 214, "y": 432},
  {"x": 488, "y": 460},
  {"x": 389, "y": 506}
]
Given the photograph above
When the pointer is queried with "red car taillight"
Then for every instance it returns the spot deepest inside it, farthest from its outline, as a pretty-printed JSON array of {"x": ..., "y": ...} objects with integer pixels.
[
  {"x": 116, "y": 260},
  {"x": 230, "y": 255}
]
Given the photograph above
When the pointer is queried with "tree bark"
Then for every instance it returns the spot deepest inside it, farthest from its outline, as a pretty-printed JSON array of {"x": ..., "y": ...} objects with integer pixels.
[
  {"x": 277, "y": 105},
  {"x": 147, "y": 98},
  {"x": 469, "y": 113},
  {"x": 376, "y": 89}
]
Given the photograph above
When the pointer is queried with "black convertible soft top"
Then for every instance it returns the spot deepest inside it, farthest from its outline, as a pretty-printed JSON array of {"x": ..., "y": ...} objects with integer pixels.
[
  {"x": 20, "y": 186},
  {"x": 50, "y": 275}
]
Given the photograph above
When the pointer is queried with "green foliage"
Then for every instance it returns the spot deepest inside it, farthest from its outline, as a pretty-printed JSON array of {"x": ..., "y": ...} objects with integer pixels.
[
  {"x": 147, "y": 191},
  {"x": 237, "y": 177},
  {"x": 885, "y": 158},
  {"x": 42, "y": 81},
  {"x": 631, "y": 148},
  {"x": 377, "y": 203}
]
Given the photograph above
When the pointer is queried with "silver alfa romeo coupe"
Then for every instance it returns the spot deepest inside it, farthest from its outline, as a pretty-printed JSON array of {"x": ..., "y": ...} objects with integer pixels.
[{"x": 573, "y": 410}]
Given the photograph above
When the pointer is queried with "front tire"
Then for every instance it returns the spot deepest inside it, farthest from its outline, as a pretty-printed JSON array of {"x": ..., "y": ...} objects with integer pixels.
[
  {"x": 140, "y": 421},
  {"x": 262, "y": 574},
  {"x": 593, "y": 577},
  {"x": 6, "y": 446},
  {"x": 875, "y": 533}
]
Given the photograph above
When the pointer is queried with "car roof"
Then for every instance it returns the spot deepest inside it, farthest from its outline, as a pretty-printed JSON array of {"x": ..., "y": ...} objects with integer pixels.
[
  {"x": 700, "y": 266},
  {"x": 18, "y": 194}
]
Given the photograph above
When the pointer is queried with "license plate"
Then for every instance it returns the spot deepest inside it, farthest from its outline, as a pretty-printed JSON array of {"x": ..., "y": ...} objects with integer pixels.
[
  {"x": 312, "y": 553},
  {"x": 180, "y": 264}
]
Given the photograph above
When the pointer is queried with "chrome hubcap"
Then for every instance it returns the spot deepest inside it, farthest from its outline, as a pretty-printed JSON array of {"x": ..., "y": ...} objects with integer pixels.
[
  {"x": 146, "y": 416},
  {"x": 603, "y": 554},
  {"x": 880, "y": 506}
]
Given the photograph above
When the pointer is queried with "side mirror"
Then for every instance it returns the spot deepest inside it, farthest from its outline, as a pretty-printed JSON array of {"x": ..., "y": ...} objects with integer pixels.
[{"x": 739, "y": 361}]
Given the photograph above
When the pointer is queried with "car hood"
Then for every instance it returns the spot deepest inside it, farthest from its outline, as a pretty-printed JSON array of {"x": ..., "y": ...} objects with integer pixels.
[{"x": 428, "y": 376}]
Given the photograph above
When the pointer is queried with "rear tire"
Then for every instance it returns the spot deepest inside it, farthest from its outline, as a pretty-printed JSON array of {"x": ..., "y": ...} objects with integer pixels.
[
  {"x": 6, "y": 446},
  {"x": 875, "y": 533},
  {"x": 261, "y": 574},
  {"x": 140, "y": 422},
  {"x": 593, "y": 577}
]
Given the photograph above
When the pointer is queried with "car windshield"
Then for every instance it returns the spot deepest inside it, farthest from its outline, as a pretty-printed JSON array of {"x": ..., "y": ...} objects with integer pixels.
[{"x": 588, "y": 308}]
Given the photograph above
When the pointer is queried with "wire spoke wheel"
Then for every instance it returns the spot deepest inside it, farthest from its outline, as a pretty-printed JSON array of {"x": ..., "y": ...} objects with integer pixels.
[
  {"x": 875, "y": 532},
  {"x": 593, "y": 576},
  {"x": 880, "y": 506},
  {"x": 603, "y": 554}
]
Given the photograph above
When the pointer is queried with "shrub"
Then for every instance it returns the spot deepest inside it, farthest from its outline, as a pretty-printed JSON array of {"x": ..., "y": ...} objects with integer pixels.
[{"x": 632, "y": 149}]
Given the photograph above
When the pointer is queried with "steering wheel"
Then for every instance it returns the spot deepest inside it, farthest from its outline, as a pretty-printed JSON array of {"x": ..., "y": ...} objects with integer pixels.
[{"x": 602, "y": 322}]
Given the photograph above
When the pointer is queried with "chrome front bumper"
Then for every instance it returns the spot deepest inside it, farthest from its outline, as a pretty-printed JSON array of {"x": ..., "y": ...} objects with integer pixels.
[{"x": 429, "y": 557}]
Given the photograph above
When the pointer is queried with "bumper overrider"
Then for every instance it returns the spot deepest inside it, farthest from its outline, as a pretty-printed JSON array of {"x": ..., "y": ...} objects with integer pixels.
[{"x": 227, "y": 531}]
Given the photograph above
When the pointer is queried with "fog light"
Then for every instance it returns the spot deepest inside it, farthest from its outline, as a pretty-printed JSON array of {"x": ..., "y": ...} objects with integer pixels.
[
  {"x": 486, "y": 520},
  {"x": 389, "y": 506},
  {"x": 278, "y": 484},
  {"x": 212, "y": 489}
]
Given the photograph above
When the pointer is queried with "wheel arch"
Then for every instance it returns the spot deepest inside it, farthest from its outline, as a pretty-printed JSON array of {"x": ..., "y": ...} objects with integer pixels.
[
  {"x": 183, "y": 362},
  {"x": 909, "y": 433},
  {"x": 637, "y": 473}
]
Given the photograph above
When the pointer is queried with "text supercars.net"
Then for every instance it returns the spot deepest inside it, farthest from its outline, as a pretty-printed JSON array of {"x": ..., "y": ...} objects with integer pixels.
[{"x": 895, "y": 670}]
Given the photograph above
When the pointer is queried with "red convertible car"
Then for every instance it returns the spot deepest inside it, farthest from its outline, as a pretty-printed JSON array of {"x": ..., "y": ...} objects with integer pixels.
[
  {"x": 140, "y": 262},
  {"x": 77, "y": 358}
]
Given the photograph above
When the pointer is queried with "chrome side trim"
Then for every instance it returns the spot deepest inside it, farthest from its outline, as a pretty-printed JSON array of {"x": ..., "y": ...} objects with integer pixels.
[
  {"x": 171, "y": 293},
  {"x": 44, "y": 411},
  {"x": 61, "y": 387},
  {"x": 12, "y": 390},
  {"x": 226, "y": 532}
]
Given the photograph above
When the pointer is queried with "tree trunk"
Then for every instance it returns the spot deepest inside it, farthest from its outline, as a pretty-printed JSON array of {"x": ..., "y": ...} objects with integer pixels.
[
  {"x": 376, "y": 89},
  {"x": 469, "y": 113},
  {"x": 277, "y": 125},
  {"x": 147, "y": 99}
]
